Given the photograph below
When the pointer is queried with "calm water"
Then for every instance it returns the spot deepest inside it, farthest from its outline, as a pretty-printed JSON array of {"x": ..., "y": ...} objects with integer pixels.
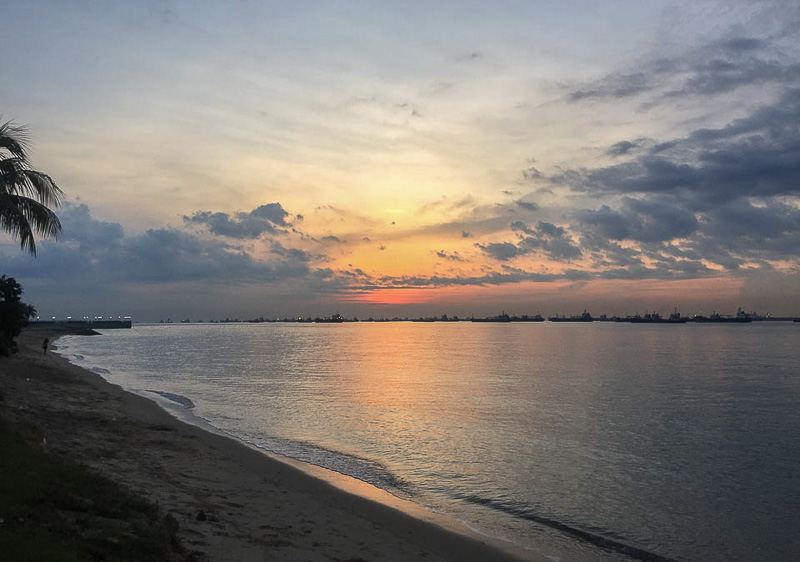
[{"x": 682, "y": 441}]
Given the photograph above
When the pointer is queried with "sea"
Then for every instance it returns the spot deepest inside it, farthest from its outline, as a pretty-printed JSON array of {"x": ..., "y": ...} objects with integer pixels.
[{"x": 579, "y": 442}]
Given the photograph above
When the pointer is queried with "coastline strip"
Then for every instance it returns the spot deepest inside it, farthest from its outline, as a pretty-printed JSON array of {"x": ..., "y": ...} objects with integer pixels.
[{"x": 231, "y": 502}]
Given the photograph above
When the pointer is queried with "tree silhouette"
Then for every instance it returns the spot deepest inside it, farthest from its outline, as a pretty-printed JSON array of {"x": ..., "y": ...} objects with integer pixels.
[
  {"x": 14, "y": 314},
  {"x": 26, "y": 195}
]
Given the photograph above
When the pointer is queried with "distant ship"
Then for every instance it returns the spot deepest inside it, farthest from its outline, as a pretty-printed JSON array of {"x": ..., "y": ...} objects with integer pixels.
[
  {"x": 335, "y": 319},
  {"x": 526, "y": 318},
  {"x": 502, "y": 318},
  {"x": 740, "y": 317},
  {"x": 585, "y": 317},
  {"x": 442, "y": 318},
  {"x": 656, "y": 318}
]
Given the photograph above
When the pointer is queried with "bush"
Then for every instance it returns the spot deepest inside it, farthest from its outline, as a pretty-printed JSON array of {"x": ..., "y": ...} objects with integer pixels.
[{"x": 14, "y": 314}]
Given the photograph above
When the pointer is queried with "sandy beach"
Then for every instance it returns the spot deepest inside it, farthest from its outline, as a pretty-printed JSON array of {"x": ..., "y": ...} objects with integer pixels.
[{"x": 231, "y": 502}]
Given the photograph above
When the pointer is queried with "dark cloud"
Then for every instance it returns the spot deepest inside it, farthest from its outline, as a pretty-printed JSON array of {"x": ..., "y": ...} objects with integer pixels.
[
  {"x": 606, "y": 253},
  {"x": 721, "y": 76},
  {"x": 452, "y": 257},
  {"x": 527, "y": 205},
  {"x": 728, "y": 235},
  {"x": 621, "y": 148},
  {"x": 645, "y": 220},
  {"x": 501, "y": 251},
  {"x": 93, "y": 253},
  {"x": 767, "y": 231},
  {"x": 530, "y": 174},
  {"x": 293, "y": 254},
  {"x": 494, "y": 278},
  {"x": 266, "y": 219},
  {"x": 682, "y": 270},
  {"x": 547, "y": 238},
  {"x": 756, "y": 156},
  {"x": 613, "y": 86},
  {"x": 718, "y": 67},
  {"x": 742, "y": 44},
  {"x": 552, "y": 240},
  {"x": 82, "y": 228}
]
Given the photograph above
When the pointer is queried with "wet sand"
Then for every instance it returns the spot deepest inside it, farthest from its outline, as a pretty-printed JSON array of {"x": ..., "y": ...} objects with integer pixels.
[{"x": 231, "y": 502}]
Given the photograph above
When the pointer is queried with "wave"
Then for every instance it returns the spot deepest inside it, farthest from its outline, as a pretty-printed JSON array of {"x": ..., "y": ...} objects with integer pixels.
[
  {"x": 177, "y": 398},
  {"x": 367, "y": 470},
  {"x": 524, "y": 511}
]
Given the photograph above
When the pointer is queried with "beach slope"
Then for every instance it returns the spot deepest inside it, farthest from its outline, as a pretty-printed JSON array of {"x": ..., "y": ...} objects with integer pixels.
[{"x": 230, "y": 501}]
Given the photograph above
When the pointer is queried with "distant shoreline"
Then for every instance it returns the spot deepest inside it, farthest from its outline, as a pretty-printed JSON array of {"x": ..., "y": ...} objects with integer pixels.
[{"x": 454, "y": 320}]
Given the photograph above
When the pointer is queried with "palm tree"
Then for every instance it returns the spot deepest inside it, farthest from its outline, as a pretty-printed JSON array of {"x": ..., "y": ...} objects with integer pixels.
[{"x": 25, "y": 194}]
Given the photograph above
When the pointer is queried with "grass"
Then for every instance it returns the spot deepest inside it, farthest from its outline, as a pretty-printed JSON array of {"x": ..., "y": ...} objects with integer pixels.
[{"x": 55, "y": 510}]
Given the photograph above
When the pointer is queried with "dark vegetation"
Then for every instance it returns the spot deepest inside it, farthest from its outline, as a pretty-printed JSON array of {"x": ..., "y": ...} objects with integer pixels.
[
  {"x": 56, "y": 510},
  {"x": 14, "y": 314}
]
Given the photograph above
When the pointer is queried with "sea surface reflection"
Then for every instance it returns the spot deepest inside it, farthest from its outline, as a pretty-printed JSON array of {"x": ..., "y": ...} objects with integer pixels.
[{"x": 682, "y": 441}]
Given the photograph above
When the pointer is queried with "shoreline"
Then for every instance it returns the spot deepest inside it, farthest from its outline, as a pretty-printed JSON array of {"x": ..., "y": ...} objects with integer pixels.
[{"x": 231, "y": 500}]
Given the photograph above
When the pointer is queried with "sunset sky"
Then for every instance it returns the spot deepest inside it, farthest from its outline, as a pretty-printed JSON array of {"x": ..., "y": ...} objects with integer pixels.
[{"x": 377, "y": 158}]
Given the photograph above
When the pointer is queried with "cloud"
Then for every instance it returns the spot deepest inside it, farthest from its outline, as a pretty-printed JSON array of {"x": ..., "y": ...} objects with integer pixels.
[
  {"x": 683, "y": 269},
  {"x": 652, "y": 219},
  {"x": 452, "y": 257},
  {"x": 616, "y": 85},
  {"x": 292, "y": 254},
  {"x": 501, "y": 251},
  {"x": 547, "y": 238},
  {"x": 527, "y": 205},
  {"x": 621, "y": 148},
  {"x": 609, "y": 254},
  {"x": 266, "y": 219},
  {"x": 715, "y": 68},
  {"x": 92, "y": 253},
  {"x": 726, "y": 191},
  {"x": 768, "y": 231},
  {"x": 166, "y": 255},
  {"x": 725, "y": 195}
]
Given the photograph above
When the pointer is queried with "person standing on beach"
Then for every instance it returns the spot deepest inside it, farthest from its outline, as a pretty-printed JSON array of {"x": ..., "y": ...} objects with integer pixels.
[{"x": 45, "y": 343}]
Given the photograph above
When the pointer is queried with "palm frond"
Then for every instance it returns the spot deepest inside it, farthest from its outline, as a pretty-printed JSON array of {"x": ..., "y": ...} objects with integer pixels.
[
  {"x": 14, "y": 221},
  {"x": 14, "y": 139},
  {"x": 11, "y": 174},
  {"x": 25, "y": 194},
  {"x": 46, "y": 190},
  {"x": 16, "y": 178}
]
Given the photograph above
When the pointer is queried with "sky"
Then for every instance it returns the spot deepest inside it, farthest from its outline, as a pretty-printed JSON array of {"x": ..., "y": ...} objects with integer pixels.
[{"x": 256, "y": 158}]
